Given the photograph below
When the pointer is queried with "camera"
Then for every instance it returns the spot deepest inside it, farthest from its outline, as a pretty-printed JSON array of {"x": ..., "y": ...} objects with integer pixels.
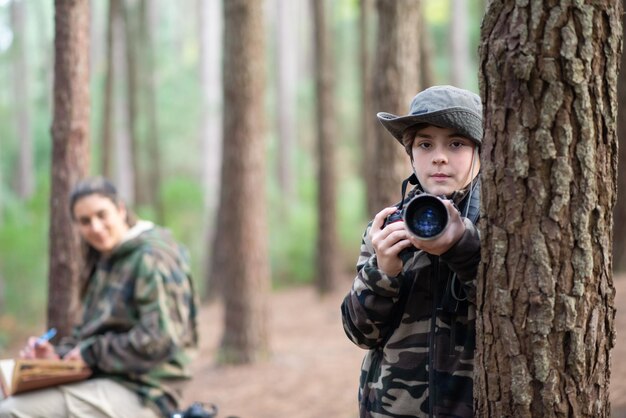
[{"x": 425, "y": 216}]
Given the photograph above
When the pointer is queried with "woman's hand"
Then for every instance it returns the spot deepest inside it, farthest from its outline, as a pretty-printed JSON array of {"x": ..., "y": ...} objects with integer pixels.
[
  {"x": 450, "y": 236},
  {"x": 36, "y": 349},
  {"x": 388, "y": 241},
  {"x": 74, "y": 355}
]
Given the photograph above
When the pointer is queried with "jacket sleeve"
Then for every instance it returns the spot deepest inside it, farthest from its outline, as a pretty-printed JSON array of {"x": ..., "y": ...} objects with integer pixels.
[
  {"x": 162, "y": 298},
  {"x": 368, "y": 310},
  {"x": 463, "y": 258}
]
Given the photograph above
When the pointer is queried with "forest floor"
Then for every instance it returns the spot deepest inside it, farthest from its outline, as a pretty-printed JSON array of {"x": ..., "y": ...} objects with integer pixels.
[{"x": 313, "y": 368}]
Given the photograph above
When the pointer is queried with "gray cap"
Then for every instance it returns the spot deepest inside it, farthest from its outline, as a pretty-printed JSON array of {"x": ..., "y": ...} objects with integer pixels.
[{"x": 443, "y": 106}]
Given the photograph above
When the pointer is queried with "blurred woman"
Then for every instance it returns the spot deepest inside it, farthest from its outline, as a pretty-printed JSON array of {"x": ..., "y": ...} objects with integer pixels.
[{"x": 138, "y": 324}]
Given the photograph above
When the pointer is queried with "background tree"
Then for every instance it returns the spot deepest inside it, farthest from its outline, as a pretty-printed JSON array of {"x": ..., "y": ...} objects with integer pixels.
[
  {"x": 545, "y": 294},
  {"x": 106, "y": 141},
  {"x": 396, "y": 82},
  {"x": 287, "y": 95},
  {"x": 327, "y": 268},
  {"x": 152, "y": 167},
  {"x": 459, "y": 43},
  {"x": 25, "y": 177},
  {"x": 210, "y": 26},
  {"x": 70, "y": 156},
  {"x": 367, "y": 30},
  {"x": 242, "y": 261}
]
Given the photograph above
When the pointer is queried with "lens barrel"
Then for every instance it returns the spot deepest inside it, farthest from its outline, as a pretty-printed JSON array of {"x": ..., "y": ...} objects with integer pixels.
[{"x": 426, "y": 216}]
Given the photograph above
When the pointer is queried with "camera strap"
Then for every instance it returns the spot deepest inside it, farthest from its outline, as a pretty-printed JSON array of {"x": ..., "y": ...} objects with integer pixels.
[{"x": 411, "y": 179}]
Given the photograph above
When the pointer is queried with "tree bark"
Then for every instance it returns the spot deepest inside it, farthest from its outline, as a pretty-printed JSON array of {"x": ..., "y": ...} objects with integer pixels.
[
  {"x": 241, "y": 257},
  {"x": 70, "y": 156},
  {"x": 619, "y": 235},
  {"x": 327, "y": 245},
  {"x": 396, "y": 82},
  {"x": 545, "y": 292}
]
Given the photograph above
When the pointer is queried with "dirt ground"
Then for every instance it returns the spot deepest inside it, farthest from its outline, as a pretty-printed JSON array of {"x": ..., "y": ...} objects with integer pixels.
[{"x": 313, "y": 369}]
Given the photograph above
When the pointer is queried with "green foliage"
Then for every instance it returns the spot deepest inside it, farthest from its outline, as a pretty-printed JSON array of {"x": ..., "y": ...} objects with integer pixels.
[{"x": 24, "y": 262}]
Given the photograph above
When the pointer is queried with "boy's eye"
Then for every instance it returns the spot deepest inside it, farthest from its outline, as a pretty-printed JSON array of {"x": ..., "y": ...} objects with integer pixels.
[{"x": 424, "y": 145}]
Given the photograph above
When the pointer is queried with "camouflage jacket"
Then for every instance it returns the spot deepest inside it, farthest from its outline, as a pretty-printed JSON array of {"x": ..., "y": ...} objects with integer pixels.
[
  {"x": 139, "y": 316},
  {"x": 419, "y": 328}
]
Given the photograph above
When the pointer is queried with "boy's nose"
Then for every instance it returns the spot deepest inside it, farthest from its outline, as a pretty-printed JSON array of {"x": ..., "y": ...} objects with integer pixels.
[{"x": 439, "y": 157}]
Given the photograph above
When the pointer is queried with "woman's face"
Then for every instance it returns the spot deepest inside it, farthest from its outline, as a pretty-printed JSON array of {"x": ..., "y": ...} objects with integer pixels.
[
  {"x": 100, "y": 222},
  {"x": 442, "y": 160}
]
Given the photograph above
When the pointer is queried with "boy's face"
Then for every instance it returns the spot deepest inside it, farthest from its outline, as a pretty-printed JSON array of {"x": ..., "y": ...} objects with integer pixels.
[{"x": 442, "y": 160}]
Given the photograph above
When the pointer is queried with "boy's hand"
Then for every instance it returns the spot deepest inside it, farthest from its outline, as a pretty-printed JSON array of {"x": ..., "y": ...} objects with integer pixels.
[
  {"x": 388, "y": 241},
  {"x": 450, "y": 236}
]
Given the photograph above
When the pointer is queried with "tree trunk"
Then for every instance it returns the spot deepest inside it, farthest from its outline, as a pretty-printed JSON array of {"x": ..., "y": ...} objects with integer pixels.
[
  {"x": 619, "y": 235},
  {"x": 70, "y": 156},
  {"x": 459, "y": 43},
  {"x": 287, "y": 98},
  {"x": 368, "y": 113},
  {"x": 106, "y": 149},
  {"x": 26, "y": 165},
  {"x": 397, "y": 81},
  {"x": 242, "y": 260},
  {"x": 132, "y": 110},
  {"x": 427, "y": 57},
  {"x": 545, "y": 292},
  {"x": 327, "y": 245},
  {"x": 148, "y": 76},
  {"x": 210, "y": 26}
]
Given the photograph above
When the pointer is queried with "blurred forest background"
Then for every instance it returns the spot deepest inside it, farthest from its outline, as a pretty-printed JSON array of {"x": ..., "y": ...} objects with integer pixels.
[{"x": 156, "y": 89}]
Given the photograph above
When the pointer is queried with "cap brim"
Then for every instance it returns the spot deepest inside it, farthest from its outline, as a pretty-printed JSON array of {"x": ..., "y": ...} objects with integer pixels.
[{"x": 459, "y": 119}]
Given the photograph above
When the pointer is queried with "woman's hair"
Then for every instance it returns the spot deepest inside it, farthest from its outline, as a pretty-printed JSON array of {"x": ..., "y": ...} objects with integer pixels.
[{"x": 102, "y": 187}]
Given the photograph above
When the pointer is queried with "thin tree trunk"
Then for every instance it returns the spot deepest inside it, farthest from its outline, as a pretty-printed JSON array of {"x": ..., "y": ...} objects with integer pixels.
[
  {"x": 545, "y": 293},
  {"x": 123, "y": 170},
  {"x": 397, "y": 81},
  {"x": 427, "y": 57},
  {"x": 459, "y": 43},
  {"x": 26, "y": 165},
  {"x": 132, "y": 91},
  {"x": 327, "y": 246},
  {"x": 107, "y": 112},
  {"x": 368, "y": 114},
  {"x": 148, "y": 75},
  {"x": 70, "y": 156},
  {"x": 287, "y": 84},
  {"x": 241, "y": 257},
  {"x": 210, "y": 26}
]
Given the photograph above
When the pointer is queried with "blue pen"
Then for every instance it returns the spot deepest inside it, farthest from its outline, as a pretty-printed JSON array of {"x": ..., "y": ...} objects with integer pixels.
[{"x": 47, "y": 336}]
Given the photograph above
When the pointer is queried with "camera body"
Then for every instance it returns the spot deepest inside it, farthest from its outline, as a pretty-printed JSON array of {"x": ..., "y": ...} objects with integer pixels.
[{"x": 425, "y": 216}]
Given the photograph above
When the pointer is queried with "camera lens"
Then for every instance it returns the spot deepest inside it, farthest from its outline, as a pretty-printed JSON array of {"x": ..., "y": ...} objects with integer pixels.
[{"x": 426, "y": 216}]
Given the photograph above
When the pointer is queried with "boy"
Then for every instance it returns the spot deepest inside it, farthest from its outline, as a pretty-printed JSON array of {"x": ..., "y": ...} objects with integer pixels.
[{"x": 412, "y": 302}]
